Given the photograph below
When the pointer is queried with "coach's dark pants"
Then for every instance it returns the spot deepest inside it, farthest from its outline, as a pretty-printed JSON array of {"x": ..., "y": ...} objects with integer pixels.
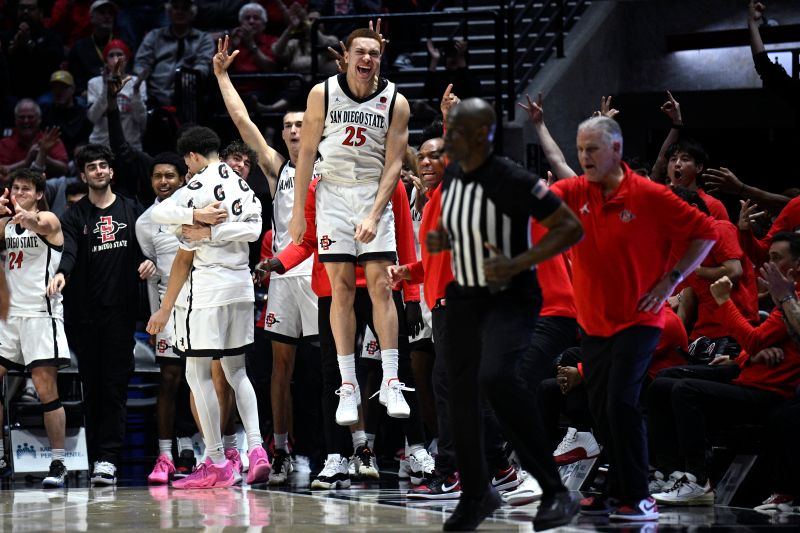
[
  {"x": 614, "y": 371},
  {"x": 487, "y": 337},
  {"x": 104, "y": 347},
  {"x": 337, "y": 438},
  {"x": 783, "y": 434},
  {"x": 680, "y": 412}
]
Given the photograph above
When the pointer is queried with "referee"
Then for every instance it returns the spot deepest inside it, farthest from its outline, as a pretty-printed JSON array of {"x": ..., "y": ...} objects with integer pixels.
[{"x": 492, "y": 306}]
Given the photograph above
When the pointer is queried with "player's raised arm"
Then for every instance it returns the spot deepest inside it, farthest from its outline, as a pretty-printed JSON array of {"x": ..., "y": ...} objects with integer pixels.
[
  {"x": 269, "y": 159},
  {"x": 313, "y": 124}
]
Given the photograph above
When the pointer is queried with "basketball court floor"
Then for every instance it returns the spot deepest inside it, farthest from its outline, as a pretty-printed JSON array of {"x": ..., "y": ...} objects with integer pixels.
[{"x": 24, "y": 507}]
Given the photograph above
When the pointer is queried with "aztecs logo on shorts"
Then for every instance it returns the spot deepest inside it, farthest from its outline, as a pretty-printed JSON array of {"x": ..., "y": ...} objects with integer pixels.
[
  {"x": 325, "y": 242},
  {"x": 372, "y": 347},
  {"x": 270, "y": 320},
  {"x": 162, "y": 346}
]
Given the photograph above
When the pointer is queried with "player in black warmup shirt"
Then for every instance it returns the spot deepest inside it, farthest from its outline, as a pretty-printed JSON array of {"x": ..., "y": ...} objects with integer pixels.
[{"x": 101, "y": 267}]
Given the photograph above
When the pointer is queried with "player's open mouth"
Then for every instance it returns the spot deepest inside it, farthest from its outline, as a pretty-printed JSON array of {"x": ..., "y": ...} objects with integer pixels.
[{"x": 364, "y": 70}]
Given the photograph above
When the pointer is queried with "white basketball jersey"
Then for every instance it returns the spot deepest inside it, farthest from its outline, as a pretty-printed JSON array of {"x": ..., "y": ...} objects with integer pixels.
[
  {"x": 31, "y": 262},
  {"x": 281, "y": 214},
  {"x": 163, "y": 242},
  {"x": 353, "y": 145},
  {"x": 221, "y": 272}
]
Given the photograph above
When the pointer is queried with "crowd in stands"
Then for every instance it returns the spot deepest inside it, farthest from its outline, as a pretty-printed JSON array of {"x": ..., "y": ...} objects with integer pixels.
[{"x": 103, "y": 73}]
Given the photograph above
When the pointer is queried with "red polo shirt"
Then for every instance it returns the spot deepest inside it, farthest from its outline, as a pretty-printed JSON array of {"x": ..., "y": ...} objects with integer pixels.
[
  {"x": 671, "y": 346},
  {"x": 716, "y": 207},
  {"x": 14, "y": 149},
  {"x": 295, "y": 254},
  {"x": 758, "y": 250},
  {"x": 784, "y": 377},
  {"x": 744, "y": 294},
  {"x": 558, "y": 297},
  {"x": 626, "y": 247}
]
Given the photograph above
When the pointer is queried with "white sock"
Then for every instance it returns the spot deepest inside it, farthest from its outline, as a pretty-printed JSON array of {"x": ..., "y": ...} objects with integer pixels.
[
  {"x": 229, "y": 441},
  {"x": 59, "y": 454},
  {"x": 185, "y": 443},
  {"x": 198, "y": 376},
  {"x": 165, "y": 447},
  {"x": 359, "y": 438},
  {"x": 389, "y": 359},
  {"x": 371, "y": 440},
  {"x": 347, "y": 368},
  {"x": 282, "y": 441},
  {"x": 246, "y": 401}
]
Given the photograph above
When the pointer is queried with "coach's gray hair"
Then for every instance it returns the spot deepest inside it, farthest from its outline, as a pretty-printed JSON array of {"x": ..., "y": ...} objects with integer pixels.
[
  {"x": 609, "y": 129},
  {"x": 253, "y": 6},
  {"x": 28, "y": 101}
]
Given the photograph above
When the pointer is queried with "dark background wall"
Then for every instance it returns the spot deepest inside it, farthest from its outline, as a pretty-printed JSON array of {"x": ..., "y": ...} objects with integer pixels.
[{"x": 620, "y": 48}]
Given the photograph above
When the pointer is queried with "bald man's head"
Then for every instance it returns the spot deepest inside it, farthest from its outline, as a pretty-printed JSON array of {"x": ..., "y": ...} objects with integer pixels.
[
  {"x": 470, "y": 131},
  {"x": 474, "y": 113}
]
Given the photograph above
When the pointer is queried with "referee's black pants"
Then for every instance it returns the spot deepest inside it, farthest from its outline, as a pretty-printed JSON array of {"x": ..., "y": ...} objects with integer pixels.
[
  {"x": 614, "y": 371},
  {"x": 104, "y": 348},
  {"x": 494, "y": 440},
  {"x": 337, "y": 438},
  {"x": 487, "y": 336}
]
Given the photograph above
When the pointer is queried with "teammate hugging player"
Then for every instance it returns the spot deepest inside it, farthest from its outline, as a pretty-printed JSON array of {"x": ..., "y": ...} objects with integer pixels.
[{"x": 215, "y": 318}]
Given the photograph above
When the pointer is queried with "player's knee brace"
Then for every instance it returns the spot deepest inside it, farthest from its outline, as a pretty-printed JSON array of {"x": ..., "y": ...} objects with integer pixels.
[{"x": 52, "y": 406}]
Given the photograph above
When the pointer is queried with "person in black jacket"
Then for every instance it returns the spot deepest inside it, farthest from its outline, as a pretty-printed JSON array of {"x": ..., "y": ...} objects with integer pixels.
[{"x": 102, "y": 264}]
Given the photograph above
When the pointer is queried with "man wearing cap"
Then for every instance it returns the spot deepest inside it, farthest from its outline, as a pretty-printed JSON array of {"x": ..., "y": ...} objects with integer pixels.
[
  {"x": 86, "y": 58},
  {"x": 65, "y": 112},
  {"x": 22, "y": 147},
  {"x": 163, "y": 50},
  {"x": 130, "y": 98}
]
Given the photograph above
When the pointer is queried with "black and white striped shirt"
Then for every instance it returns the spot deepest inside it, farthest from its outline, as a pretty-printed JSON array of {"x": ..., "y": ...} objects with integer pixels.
[{"x": 494, "y": 204}]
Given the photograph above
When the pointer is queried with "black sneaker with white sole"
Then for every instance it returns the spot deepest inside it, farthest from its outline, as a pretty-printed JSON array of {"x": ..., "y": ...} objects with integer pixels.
[
  {"x": 56, "y": 476},
  {"x": 6, "y": 470}
]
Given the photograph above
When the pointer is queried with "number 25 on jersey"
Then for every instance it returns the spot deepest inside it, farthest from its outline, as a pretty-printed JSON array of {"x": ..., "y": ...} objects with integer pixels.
[{"x": 355, "y": 136}]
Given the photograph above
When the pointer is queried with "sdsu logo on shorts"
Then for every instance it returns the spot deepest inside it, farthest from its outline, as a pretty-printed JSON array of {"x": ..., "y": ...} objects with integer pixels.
[
  {"x": 162, "y": 346},
  {"x": 372, "y": 347},
  {"x": 325, "y": 242},
  {"x": 270, "y": 320}
]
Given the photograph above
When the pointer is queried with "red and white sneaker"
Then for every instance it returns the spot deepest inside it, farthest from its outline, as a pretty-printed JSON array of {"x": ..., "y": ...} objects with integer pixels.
[
  {"x": 259, "y": 469},
  {"x": 644, "y": 511},
  {"x": 232, "y": 455},
  {"x": 439, "y": 487},
  {"x": 505, "y": 479},
  {"x": 162, "y": 471},
  {"x": 576, "y": 446},
  {"x": 207, "y": 476},
  {"x": 776, "y": 503}
]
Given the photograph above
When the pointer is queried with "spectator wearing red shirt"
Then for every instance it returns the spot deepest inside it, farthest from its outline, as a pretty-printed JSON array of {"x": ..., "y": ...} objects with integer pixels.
[
  {"x": 686, "y": 160},
  {"x": 623, "y": 274},
  {"x": 71, "y": 19},
  {"x": 725, "y": 259},
  {"x": 254, "y": 45},
  {"x": 756, "y": 249},
  {"x": 681, "y": 410},
  {"x": 21, "y": 148}
]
